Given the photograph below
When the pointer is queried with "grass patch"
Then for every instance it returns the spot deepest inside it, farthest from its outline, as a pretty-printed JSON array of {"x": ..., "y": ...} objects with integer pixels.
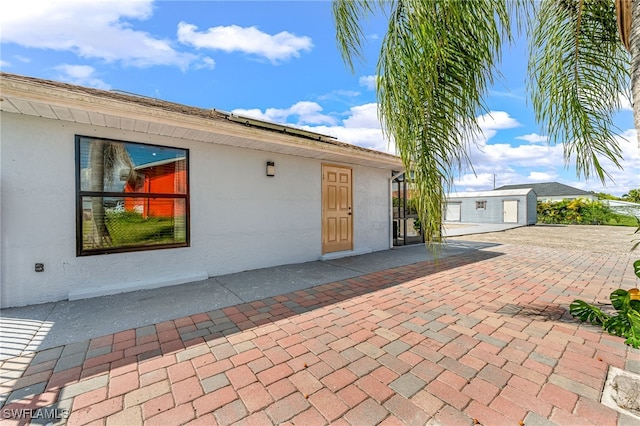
[
  {"x": 128, "y": 228},
  {"x": 132, "y": 229}
]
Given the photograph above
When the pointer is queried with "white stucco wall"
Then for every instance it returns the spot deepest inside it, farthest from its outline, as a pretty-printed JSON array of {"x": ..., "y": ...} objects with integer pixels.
[
  {"x": 240, "y": 218},
  {"x": 494, "y": 211}
]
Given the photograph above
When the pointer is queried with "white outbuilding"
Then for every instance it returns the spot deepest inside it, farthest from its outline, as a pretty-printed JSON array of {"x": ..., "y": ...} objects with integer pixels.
[{"x": 509, "y": 206}]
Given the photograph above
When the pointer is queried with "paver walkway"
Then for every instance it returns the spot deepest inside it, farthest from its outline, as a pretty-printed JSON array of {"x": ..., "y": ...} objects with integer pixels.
[{"x": 479, "y": 338}]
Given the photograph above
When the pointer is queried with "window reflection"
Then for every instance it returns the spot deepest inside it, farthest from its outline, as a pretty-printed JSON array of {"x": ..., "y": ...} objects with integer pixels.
[{"x": 131, "y": 195}]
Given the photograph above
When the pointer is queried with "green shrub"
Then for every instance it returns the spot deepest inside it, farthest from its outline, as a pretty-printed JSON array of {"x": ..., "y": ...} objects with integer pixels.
[
  {"x": 626, "y": 320},
  {"x": 580, "y": 211},
  {"x": 624, "y": 323}
]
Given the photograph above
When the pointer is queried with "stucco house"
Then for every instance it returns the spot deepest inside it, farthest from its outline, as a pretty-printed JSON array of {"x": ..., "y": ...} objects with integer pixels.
[
  {"x": 81, "y": 214},
  {"x": 553, "y": 191}
]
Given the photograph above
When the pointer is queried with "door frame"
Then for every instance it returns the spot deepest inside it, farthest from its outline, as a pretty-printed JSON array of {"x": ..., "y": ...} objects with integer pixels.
[
  {"x": 504, "y": 210},
  {"x": 458, "y": 207},
  {"x": 324, "y": 248}
]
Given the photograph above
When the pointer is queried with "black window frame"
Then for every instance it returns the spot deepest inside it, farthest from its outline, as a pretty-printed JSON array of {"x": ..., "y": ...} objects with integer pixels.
[
  {"x": 481, "y": 205},
  {"x": 80, "y": 250}
]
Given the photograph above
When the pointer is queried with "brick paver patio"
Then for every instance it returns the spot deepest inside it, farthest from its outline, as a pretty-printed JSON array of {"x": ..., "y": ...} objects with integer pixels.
[{"x": 481, "y": 338}]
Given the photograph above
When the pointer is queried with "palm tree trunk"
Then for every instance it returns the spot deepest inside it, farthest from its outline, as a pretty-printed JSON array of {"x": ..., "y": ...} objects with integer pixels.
[
  {"x": 634, "y": 49},
  {"x": 100, "y": 231}
]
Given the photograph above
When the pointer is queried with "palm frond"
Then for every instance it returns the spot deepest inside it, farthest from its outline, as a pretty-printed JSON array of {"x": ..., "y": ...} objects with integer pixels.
[
  {"x": 347, "y": 15},
  {"x": 437, "y": 60},
  {"x": 578, "y": 68}
]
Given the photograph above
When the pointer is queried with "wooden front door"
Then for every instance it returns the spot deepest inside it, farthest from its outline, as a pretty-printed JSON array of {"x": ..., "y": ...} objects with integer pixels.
[{"x": 337, "y": 214}]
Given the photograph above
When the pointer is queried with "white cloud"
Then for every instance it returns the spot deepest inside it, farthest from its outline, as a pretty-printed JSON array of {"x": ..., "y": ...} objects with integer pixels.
[
  {"x": 363, "y": 116},
  {"x": 497, "y": 120},
  {"x": 510, "y": 165},
  {"x": 533, "y": 138},
  {"x": 625, "y": 102},
  {"x": 627, "y": 178},
  {"x": 506, "y": 163},
  {"x": 4, "y": 64},
  {"x": 368, "y": 81},
  {"x": 347, "y": 93},
  {"x": 361, "y": 127},
  {"x": 91, "y": 29},
  {"x": 82, "y": 75},
  {"x": 338, "y": 95},
  {"x": 306, "y": 112},
  {"x": 360, "y": 136},
  {"x": 503, "y": 175},
  {"x": 523, "y": 156},
  {"x": 508, "y": 94},
  {"x": 207, "y": 63},
  {"x": 309, "y": 113},
  {"x": 491, "y": 122},
  {"x": 542, "y": 177},
  {"x": 253, "y": 113},
  {"x": 501, "y": 161},
  {"x": 471, "y": 182},
  {"x": 233, "y": 38},
  {"x": 538, "y": 163}
]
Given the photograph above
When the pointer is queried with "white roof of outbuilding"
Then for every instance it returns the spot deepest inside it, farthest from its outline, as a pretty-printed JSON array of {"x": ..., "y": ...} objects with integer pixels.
[{"x": 495, "y": 193}]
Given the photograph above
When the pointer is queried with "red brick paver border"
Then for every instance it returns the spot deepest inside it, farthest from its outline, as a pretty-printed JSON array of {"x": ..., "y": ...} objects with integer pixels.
[{"x": 482, "y": 337}]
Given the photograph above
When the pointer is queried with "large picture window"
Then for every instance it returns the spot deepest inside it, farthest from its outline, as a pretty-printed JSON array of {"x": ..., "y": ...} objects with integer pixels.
[{"x": 130, "y": 196}]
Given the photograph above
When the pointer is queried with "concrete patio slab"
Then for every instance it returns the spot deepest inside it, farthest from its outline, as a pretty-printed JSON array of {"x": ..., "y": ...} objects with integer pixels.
[
  {"x": 39, "y": 327},
  {"x": 479, "y": 337},
  {"x": 457, "y": 229}
]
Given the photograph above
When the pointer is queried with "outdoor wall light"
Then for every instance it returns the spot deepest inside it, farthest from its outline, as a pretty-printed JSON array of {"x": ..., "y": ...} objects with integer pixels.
[{"x": 271, "y": 168}]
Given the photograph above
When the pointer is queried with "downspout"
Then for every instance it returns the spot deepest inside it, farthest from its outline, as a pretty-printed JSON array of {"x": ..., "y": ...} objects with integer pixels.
[{"x": 391, "y": 179}]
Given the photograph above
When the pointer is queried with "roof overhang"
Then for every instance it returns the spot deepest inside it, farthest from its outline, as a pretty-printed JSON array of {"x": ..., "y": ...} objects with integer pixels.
[
  {"x": 494, "y": 193},
  {"x": 59, "y": 101}
]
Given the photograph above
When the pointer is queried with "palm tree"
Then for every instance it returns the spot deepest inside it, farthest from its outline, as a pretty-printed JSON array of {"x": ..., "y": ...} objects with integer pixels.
[
  {"x": 106, "y": 159},
  {"x": 439, "y": 57},
  {"x": 632, "y": 196}
]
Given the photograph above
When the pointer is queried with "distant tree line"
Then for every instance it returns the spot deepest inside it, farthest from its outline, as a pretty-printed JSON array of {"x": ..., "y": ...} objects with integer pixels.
[{"x": 633, "y": 196}]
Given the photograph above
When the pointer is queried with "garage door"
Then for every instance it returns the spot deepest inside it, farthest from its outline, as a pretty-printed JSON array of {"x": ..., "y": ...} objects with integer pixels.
[{"x": 452, "y": 214}]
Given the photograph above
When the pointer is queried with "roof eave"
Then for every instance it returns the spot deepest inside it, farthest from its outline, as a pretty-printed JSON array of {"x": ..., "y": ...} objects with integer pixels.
[{"x": 59, "y": 101}]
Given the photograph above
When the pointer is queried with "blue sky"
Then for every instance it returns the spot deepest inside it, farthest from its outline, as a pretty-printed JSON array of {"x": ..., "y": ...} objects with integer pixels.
[{"x": 275, "y": 60}]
